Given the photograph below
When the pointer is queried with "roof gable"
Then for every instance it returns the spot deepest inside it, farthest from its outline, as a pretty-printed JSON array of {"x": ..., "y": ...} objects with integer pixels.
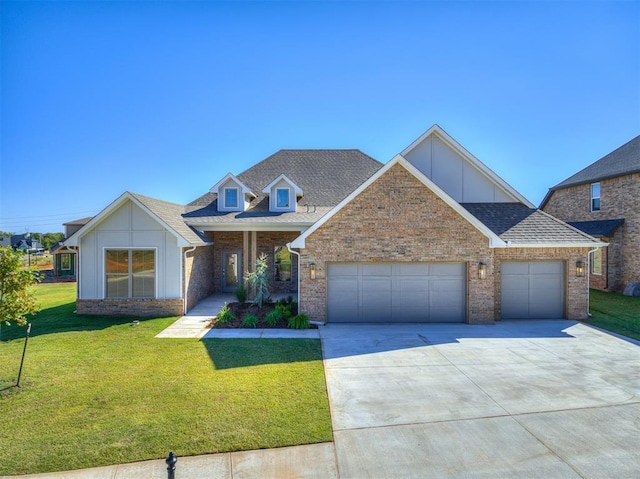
[
  {"x": 494, "y": 240},
  {"x": 283, "y": 177},
  {"x": 168, "y": 215},
  {"x": 456, "y": 171}
]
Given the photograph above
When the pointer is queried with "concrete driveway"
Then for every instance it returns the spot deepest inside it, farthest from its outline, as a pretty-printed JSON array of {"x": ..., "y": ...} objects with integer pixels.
[{"x": 523, "y": 399}]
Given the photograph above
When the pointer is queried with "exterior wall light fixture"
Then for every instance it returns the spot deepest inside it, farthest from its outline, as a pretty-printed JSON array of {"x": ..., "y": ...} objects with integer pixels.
[
  {"x": 579, "y": 269},
  {"x": 482, "y": 270},
  {"x": 312, "y": 270}
]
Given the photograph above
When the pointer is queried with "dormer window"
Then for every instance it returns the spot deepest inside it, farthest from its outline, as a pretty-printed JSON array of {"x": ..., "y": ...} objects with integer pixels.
[
  {"x": 283, "y": 194},
  {"x": 282, "y": 197},
  {"x": 231, "y": 197}
]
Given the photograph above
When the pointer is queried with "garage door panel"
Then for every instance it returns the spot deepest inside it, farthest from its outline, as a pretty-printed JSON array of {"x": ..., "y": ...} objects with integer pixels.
[
  {"x": 344, "y": 298},
  {"x": 411, "y": 269},
  {"x": 446, "y": 269},
  {"x": 375, "y": 300},
  {"x": 343, "y": 269},
  {"x": 376, "y": 269}
]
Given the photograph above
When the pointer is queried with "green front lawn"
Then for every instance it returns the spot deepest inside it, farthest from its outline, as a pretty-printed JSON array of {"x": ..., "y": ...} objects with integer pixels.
[
  {"x": 615, "y": 312},
  {"x": 99, "y": 391}
]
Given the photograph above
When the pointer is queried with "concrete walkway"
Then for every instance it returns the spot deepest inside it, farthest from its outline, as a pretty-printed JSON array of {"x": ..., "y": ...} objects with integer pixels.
[
  {"x": 195, "y": 324},
  {"x": 519, "y": 399}
]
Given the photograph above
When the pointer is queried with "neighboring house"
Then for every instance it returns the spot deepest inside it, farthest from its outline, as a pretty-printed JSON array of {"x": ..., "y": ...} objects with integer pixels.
[
  {"x": 64, "y": 258},
  {"x": 603, "y": 200},
  {"x": 24, "y": 243},
  {"x": 433, "y": 235}
]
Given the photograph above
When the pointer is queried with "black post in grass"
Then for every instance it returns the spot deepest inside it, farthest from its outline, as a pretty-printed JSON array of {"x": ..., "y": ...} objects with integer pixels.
[
  {"x": 24, "y": 351},
  {"x": 171, "y": 465}
]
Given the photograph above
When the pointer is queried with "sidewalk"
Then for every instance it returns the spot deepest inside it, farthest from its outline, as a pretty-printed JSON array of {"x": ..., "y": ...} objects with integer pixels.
[{"x": 310, "y": 461}]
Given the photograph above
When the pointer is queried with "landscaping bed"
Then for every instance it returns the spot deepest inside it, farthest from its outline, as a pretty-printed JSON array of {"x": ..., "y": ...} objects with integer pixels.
[{"x": 239, "y": 312}]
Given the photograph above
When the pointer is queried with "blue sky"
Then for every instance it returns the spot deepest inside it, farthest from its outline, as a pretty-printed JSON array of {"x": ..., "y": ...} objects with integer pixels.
[{"x": 165, "y": 98}]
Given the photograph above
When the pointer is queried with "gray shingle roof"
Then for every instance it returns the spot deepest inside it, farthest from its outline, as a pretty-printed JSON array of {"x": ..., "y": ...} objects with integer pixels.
[
  {"x": 621, "y": 161},
  {"x": 326, "y": 177},
  {"x": 597, "y": 228},
  {"x": 171, "y": 214},
  {"x": 522, "y": 225}
]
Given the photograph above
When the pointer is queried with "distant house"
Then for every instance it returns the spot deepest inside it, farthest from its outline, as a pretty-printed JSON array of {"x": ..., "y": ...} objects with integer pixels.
[
  {"x": 24, "y": 243},
  {"x": 64, "y": 258},
  {"x": 603, "y": 200},
  {"x": 433, "y": 235}
]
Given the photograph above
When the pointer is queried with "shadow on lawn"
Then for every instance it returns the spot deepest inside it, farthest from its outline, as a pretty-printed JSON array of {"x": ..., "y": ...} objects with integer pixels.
[
  {"x": 242, "y": 353},
  {"x": 59, "y": 319}
]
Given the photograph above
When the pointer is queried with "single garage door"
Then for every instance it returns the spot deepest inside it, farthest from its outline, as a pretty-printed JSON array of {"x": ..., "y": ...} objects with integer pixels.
[
  {"x": 396, "y": 292},
  {"x": 533, "y": 290}
]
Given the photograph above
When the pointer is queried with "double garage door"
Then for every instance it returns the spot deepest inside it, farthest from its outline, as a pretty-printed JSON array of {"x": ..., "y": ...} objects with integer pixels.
[{"x": 396, "y": 292}]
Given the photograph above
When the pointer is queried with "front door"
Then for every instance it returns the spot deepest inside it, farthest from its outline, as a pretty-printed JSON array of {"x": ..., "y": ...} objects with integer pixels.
[{"x": 231, "y": 270}]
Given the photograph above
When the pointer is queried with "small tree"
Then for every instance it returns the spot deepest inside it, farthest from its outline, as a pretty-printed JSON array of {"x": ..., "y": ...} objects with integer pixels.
[
  {"x": 259, "y": 281},
  {"x": 16, "y": 292}
]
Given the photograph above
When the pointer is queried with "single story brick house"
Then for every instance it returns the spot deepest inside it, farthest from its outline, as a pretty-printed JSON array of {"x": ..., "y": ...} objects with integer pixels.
[
  {"x": 602, "y": 200},
  {"x": 431, "y": 236}
]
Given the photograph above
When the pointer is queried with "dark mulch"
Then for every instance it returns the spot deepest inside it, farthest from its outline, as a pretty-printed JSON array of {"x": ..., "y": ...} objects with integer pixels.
[{"x": 240, "y": 309}]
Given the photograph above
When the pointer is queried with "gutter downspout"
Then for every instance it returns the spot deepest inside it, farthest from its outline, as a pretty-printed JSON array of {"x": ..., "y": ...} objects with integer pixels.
[
  {"x": 184, "y": 275},
  {"x": 288, "y": 245},
  {"x": 589, "y": 277}
]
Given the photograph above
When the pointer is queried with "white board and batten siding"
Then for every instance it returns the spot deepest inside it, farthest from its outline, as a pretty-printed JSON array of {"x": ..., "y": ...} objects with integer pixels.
[
  {"x": 459, "y": 178},
  {"x": 396, "y": 292},
  {"x": 129, "y": 227}
]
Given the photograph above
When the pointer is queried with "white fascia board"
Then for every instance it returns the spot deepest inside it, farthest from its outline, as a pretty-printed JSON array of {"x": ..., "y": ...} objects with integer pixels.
[
  {"x": 556, "y": 245},
  {"x": 494, "y": 240},
  {"x": 296, "y": 188},
  {"x": 484, "y": 169},
  {"x": 299, "y": 227},
  {"x": 230, "y": 176}
]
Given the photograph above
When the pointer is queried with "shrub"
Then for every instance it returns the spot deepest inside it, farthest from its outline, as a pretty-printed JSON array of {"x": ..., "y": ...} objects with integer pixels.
[
  {"x": 299, "y": 321},
  {"x": 259, "y": 282},
  {"x": 225, "y": 314},
  {"x": 249, "y": 320},
  {"x": 284, "y": 309},
  {"x": 273, "y": 317},
  {"x": 241, "y": 293}
]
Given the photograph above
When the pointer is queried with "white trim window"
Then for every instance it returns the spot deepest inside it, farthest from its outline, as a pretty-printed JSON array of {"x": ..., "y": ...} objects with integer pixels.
[
  {"x": 596, "y": 262},
  {"x": 282, "y": 198},
  {"x": 65, "y": 261},
  {"x": 130, "y": 273},
  {"x": 231, "y": 198},
  {"x": 595, "y": 196},
  {"x": 282, "y": 264}
]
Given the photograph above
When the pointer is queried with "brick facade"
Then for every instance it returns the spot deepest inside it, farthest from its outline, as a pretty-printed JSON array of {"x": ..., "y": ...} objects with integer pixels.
[
  {"x": 199, "y": 275},
  {"x": 140, "y": 308},
  {"x": 398, "y": 219},
  {"x": 618, "y": 199}
]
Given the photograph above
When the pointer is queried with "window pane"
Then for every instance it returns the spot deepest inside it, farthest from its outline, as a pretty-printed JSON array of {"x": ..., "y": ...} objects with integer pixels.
[
  {"x": 117, "y": 286},
  {"x": 144, "y": 285},
  {"x": 66, "y": 261},
  {"x": 117, "y": 261},
  {"x": 595, "y": 190},
  {"x": 282, "y": 195},
  {"x": 596, "y": 261},
  {"x": 595, "y": 204},
  {"x": 230, "y": 197},
  {"x": 143, "y": 261},
  {"x": 282, "y": 263}
]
